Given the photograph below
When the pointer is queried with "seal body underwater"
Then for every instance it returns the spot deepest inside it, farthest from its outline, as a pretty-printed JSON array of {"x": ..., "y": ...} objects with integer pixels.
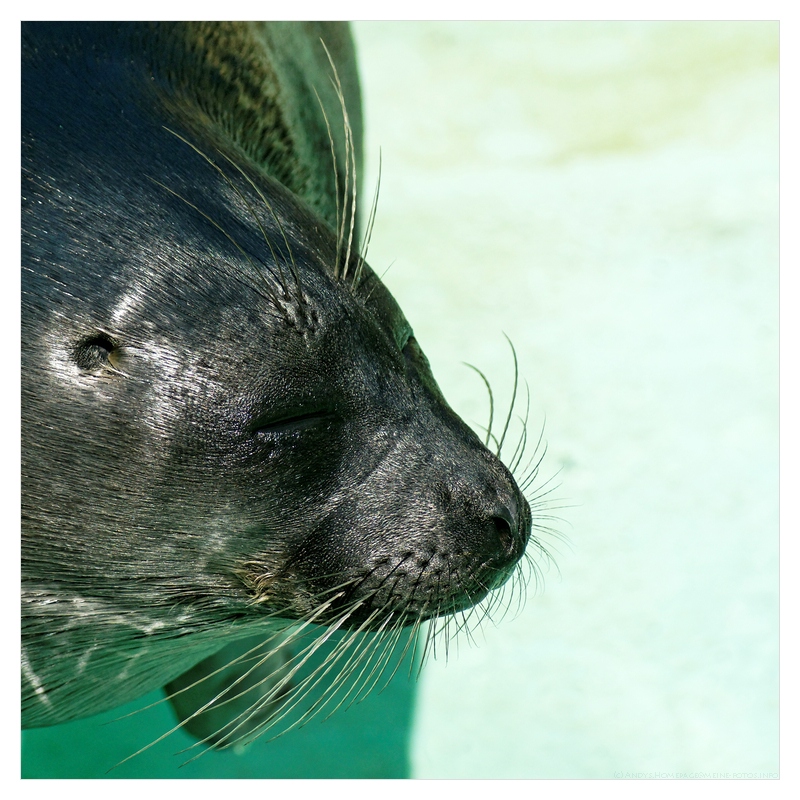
[{"x": 228, "y": 425}]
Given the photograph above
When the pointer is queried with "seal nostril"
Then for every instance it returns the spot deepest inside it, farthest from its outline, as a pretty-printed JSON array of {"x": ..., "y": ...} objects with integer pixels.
[{"x": 505, "y": 525}]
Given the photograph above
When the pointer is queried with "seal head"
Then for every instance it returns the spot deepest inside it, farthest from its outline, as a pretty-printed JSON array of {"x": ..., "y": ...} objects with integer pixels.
[{"x": 227, "y": 420}]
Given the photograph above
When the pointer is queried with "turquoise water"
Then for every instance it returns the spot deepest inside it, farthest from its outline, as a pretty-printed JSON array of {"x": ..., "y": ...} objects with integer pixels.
[{"x": 368, "y": 739}]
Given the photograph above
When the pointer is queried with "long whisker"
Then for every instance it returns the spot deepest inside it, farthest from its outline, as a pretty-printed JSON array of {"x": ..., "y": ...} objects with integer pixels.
[
  {"x": 211, "y": 221},
  {"x": 276, "y": 218},
  {"x": 247, "y": 203},
  {"x": 513, "y": 397},
  {"x": 335, "y": 177},
  {"x": 370, "y": 223},
  {"x": 300, "y": 690},
  {"x": 350, "y": 165},
  {"x": 519, "y": 450},
  {"x": 491, "y": 400}
]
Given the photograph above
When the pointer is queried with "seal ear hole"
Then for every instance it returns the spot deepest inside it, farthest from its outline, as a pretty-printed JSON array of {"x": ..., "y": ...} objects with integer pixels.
[{"x": 94, "y": 353}]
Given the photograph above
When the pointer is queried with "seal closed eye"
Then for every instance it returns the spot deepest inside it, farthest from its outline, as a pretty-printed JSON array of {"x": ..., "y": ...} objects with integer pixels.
[{"x": 229, "y": 430}]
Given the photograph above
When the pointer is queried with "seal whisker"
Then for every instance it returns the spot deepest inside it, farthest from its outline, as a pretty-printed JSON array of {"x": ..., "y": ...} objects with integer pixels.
[
  {"x": 292, "y": 263},
  {"x": 246, "y": 202},
  {"x": 539, "y": 496},
  {"x": 341, "y": 647},
  {"x": 513, "y": 397},
  {"x": 441, "y": 632},
  {"x": 335, "y": 169},
  {"x": 379, "y": 647},
  {"x": 300, "y": 691},
  {"x": 429, "y": 646},
  {"x": 350, "y": 165},
  {"x": 371, "y": 218},
  {"x": 429, "y": 642},
  {"x": 460, "y": 623},
  {"x": 415, "y": 633},
  {"x": 205, "y": 706},
  {"x": 215, "y": 224},
  {"x": 389, "y": 644},
  {"x": 446, "y": 635},
  {"x": 498, "y": 602},
  {"x": 243, "y": 658},
  {"x": 522, "y": 584},
  {"x": 519, "y": 450},
  {"x": 333, "y": 626},
  {"x": 294, "y": 634},
  {"x": 474, "y": 610},
  {"x": 372, "y": 655},
  {"x": 258, "y": 580},
  {"x": 488, "y": 386},
  {"x": 258, "y": 661},
  {"x": 372, "y": 645},
  {"x": 411, "y": 639},
  {"x": 370, "y": 223},
  {"x": 531, "y": 470}
]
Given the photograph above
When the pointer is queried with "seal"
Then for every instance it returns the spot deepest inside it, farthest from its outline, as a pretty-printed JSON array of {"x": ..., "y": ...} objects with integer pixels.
[{"x": 231, "y": 437}]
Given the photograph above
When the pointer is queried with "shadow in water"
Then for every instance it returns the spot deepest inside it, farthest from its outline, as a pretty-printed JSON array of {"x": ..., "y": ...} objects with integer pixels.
[{"x": 368, "y": 739}]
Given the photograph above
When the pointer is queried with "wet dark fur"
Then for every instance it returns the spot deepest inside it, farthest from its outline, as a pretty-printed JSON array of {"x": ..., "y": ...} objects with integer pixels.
[{"x": 227, "y": 422}]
